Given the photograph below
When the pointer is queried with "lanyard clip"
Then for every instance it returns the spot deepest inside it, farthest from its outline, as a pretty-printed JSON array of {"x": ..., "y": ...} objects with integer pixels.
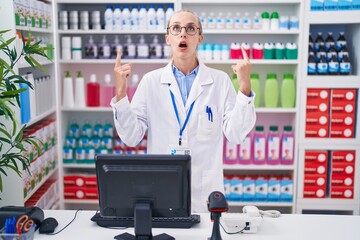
[{"x": 179, "y": 141}]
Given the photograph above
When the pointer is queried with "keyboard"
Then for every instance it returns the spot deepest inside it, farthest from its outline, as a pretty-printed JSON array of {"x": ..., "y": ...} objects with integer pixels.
[{"x": 157, "y": 222}]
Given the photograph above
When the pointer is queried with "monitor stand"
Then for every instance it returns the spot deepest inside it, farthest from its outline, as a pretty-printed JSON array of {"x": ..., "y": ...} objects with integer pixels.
[{"x": 142, "y": 225}]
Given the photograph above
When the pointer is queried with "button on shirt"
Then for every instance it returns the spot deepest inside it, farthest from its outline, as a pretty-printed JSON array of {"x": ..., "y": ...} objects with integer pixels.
[{"x": 184, "y": 82}]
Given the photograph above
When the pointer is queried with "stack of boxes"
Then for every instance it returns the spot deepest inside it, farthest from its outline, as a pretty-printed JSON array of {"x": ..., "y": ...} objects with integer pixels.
[
  {"x": 317, "y": 113},
  {"x": 315, "y": 174},
  {"x": 80, "y": 187}
]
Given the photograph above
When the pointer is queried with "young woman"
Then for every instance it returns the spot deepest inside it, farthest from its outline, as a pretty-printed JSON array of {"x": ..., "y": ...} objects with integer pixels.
[{"x": 186, "y": 108}]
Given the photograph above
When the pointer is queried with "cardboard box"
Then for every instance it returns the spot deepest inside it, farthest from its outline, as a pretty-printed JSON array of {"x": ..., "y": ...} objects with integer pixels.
[
  {"x": 74, "y": 180},
  {"x": 274, "y": 189},
  {"x": 318, "y": 180},
  {"x": 236, "y": 189},
  {"x": 317, "y": 156},
  {"x": 342, "y": 180},
  {"x": 248, "y": 189},
  {"x": 287, "y": 190},
  {"x": 347, "y": 169},
  {"x": 261, "y": 189},
  {"x": 74, "y": 192},
  {"x": 316, "y": 131},
  {"x": 317, "y": 105},
  {"x": 318, "y": 93},
  {"x": 347, "y": 95},
  {"x": 314, "y": 192},
  {"x": 343, "y": 156},
  {"x": 343, "y": 119},
  {"x": 318, "y": 118},
  {"x": 342, "y": 131},
  {"x": 343, "y": 107},
  {"x": 315, "y": 168},
  {"x": 342, "y": 192}
]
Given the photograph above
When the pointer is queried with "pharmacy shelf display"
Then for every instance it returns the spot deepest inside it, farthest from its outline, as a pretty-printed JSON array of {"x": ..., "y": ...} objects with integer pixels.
[
  {"x": 328, "y": 175},
  {"x": 38, "y": 112}
]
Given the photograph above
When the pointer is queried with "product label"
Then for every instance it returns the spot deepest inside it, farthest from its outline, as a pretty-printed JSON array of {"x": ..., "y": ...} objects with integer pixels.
[
  {"x": 259, "y": 149},
  {"x": 345, "y": 67},
  {"x": 273, "y": 148},
  {"x": 311, "y": 67},
  {"x": 245, "y": 149},
  {"x": 80, "y": 154},
  {"x": 287, "y": 148},
  {"x": 322, "y": 68},
  {"x": 68, "y": 154},
  {"x": 230, "y": 151},
  {"x": 90, "y": 154},
  {"x": 317, "y": 5},
  {"x": 333, "y": 67}
]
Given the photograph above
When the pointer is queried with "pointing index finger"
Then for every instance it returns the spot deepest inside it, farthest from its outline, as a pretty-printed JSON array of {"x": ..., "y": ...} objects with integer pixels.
[
  {"x": 118, "y": 57},
  {"x": 245, "y": 56}
]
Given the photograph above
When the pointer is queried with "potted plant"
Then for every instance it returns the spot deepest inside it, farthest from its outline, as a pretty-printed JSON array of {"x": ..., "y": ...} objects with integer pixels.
[{"x": 13, "y": 142}]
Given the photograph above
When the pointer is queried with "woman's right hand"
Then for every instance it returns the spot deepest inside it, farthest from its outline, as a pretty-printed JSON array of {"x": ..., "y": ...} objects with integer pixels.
[{"x": 122, "y": 73}]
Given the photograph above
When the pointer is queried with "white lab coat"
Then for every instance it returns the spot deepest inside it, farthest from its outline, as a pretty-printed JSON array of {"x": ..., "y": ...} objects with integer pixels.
[{"x": 152, "y": 110}]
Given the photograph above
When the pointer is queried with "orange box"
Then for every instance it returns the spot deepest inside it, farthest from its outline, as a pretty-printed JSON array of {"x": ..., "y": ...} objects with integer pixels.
[
  {"x": 343, "y": 119},
  {"x": 315, "y": 168},
  {"x": 343, "y": 95},
  {"x": 317, "y": 105},
  {"x": 320, "y": 157},
  {"x": 316, "y": 131},
  {"x": 342, "y": 180},
  {"x": 347, "y": 169},
  {"x": 314, "y": 192},
  {"x": 318, "y": 118},
  {"x": 342, "y": 131},
  {"x": 74, "y": 192},
  {"x": 343, "y": 107},
  {"x": 315, "y": 180},
  {"x": 318, "y": 93},
  {"x": 342, "y": 192},
  {"x": 343, "y": 156},
  {"x": 74, "y": 180}
]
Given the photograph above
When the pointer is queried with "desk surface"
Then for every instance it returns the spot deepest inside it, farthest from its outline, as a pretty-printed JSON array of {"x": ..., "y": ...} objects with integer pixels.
[{"x": 288, "y": 226}]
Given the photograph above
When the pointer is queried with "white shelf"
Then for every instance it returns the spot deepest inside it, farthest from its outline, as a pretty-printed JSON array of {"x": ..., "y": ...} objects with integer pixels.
[
  {"x": 333, "y": 17},
  {"x": 258, "y": 167},
  {"x": 264, "y": 204},
  {"x": 42, "y": 62},
  {"x": 287, "y": 2},
  {"x": 331, "y": 81},
  {"x": 251, "y": 31},
  {"x": 78, "y": 166},
  {"x": 116, "y": 32},
  {"x": 87, "y": 109},
  {"x": 40, "y": 184},
  {"x": 275, "y": 110},
  {"x": 255, "y": 62},
  {"x": 74, "y": 201},
  {"x": 330, "y": 143},
  {"x": 40, "y": 117},
  {"x": 111, "y": 1},
  {"x": 328, "y": 203},
  {"x": 33, "y": 30},
  {"x": 112, "y": 61}
]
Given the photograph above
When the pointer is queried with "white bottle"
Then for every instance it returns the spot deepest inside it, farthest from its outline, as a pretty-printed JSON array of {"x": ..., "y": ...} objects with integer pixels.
[
  {"x": 220, "y": 21},
  {"x": 217, "y": 52},
  {"x": 126, "y": 18},
  {"x": 79, "y": 91},
  {"x": 143, "y": 18},
  {"x": 237, "y": 21},
  {"x": 68, "y": 91},
  {"x": 203, "y": 20},
  {"x": 108, "y": 17},
  {"x": 225, "y": 52},
  {"x": 151, "y": 18},
  {"x": 168, "y": 14},
  {"x": 257, "y": 21},
  {"x": 229, "y": 21},
  {"x": 246, "y": 21},
  {"x": 211, "y": 21},
  {"x": 32, "y": 95},
  {"x": 142, "y": 48},
  {"x": 155, "y": 48},
  {"x": 104, "y": 48},
  {"x": 208, "y": 52},
  {"x": 134, "y": 18},
  {"x": 129, "y": 49},
  {"x": 95, "y": 20},
  {"x": 160, "y": 18},
  {"x": 117, "y": 17},
  {"x": 167, "y": 50}
]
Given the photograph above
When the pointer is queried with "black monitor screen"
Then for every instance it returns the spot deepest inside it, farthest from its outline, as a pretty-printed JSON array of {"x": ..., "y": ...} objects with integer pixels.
[{"x": 163, "y": 181}]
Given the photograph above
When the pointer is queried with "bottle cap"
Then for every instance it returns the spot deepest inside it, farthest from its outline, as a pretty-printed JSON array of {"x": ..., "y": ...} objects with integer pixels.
[
  {"x": 288, "y": 128},
  {"x": 135, "y": 79},
  {"x": 271, "y": 76},
  {"x": 93, "y": 78},
  {"x": 107, "y": 78},
  {"x": 274, "y": 15},
  {"x": 265, "y": 15},
  {"x": 79, "y": 75},
  {"x": 259, "y": 128},
  {"x": 274, "y": 128},
  {"x": 225, "y": 47},
  {"x": 76, "y": 42},
  {"x": 254, "y": 76},
  {"x": 288, "y": 76},
  {"x": 156, "y": 39},
  {"x": 142, "y": 39},
  {"x": 67, "y": 74}
]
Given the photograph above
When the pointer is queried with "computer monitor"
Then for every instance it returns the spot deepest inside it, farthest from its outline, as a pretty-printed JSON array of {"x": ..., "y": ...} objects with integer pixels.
[{"x": 143, "y": 186}]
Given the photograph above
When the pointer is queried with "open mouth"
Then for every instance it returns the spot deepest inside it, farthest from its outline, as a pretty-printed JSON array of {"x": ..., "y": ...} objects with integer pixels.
[{"x": 183, "y": 45}]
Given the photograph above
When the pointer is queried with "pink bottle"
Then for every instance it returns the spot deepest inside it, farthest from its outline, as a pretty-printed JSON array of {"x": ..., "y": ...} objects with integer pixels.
[
  {"x": 245, "y": 150},
  {"x": 273, "y": 146},
  {"x": 235, "y": 50},
  {"x": 230, "y": 152},
  {"x": 258, "y": 51},
  {"x": 259, "y": 146},
  {"x": 287, "y": 146},
  {"x": 107, "y": 91},
  {"x": 93, "y": 92},
  {"x": 132, "y": 86},
  {"x": 247, "y": 48}
]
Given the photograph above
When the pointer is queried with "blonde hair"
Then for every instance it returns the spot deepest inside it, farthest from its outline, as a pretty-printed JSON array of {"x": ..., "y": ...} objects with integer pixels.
[{"x": 188, "y": 11}]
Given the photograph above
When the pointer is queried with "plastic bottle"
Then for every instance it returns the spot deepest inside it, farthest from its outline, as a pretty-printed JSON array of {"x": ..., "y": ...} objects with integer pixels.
[
  {"x": 32, "y": 95},
  {"x": 246, "y": 21},
  {"x": 322, "y": 65},
  {"x": 108, "y": 129},
  {"x": 311, "y": 66},
  {"x": 142, "y": 18},
  {"x": 288, "y": 91},
  {"x": 320, "y": 51},
  {"x": 237, "y": 21},
  {"x": 269, "y": 50},
  {"x": 80, "y": 155},
  {"x": 342, "y": 51},
  {"x": 89, "y": 154},
  {"x": 311, "y": 41},
  {"x": 217, "y": 52},
  {"x": 84, "y": 20},
  {"x": 265, "y": 18},
  {"x": 201, "y": 51},
  {"x": 287, "y": 146},
  {"x": 115, "y": 47},
  {"x": 151, "y": 18},
  {"x": 256, "y": 88},
  {"x": 258, "y": 50},
  {"x": 271, "y": 91},
  {"x": 87, "y": 129},
  {"x": 259, "y": 146},
  {"x": 74, "y": 22},
  {"x": 345, "y": 65},
  {"x": 203, "y": 20},
  {"x": 25, "y": 104},
  {"x": 208, "y": 52},
  {"x": 329, "y": 41},
  {"x": 91, "y": 49},
  {"x": 225, "y": 52},
  {"x": 230, "y": 152},
  {"x": 235, "y": 82},
  {"x": 318, "y": 41},
  {"x": 134, "y": 16},
  {"x": 104, "y": 49},
  {"x": 220, "y": 21},
  {"x": 79, "y": 90},
  {"x": 93, "y": 92},
  {"x": 279, "y": 50},
  {"x": 129, "y": 48},
  {"x": 167, "y": 51},
  {"x": 108, "y": 17},
  {"x": 74, "y": 131},
  {"x": 68, "y": 91},
  {"x": 107, "y": 91},
  {"x": 142, "y": 48},
  {"x": 341, "y": 41},
  {"x": 257, "y": 21},
  {"x": 274, "y": 21},
  {"x": 95, "y": 20},
  {"x": 155, "y": 50},
  {"x": 273, "y": 146},
  {"x": 291, "y": 51},
  {"x": 333, "y": 65},
  {"x": 117, "y": 17},
  {"x": 132, "y": 86},
  {"x": 160, "y": 18},
  {"x": 245, "y": 151},
  {"x": 169, "y": 12},
  {"x": 229, "y": 21},
  {"x": 211, "y": 21},
  {"x": 284, "y": 23},
  {"x": 126, "y": 18},
  {"x": 331, "y": 52},
  {"x": 98, "y": 129}
]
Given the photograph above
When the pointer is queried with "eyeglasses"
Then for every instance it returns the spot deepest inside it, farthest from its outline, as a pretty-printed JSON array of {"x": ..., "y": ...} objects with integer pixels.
[{"x": 176, "y": 29}]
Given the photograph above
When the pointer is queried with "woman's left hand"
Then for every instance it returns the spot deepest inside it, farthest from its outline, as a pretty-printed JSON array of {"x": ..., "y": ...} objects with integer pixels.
[{"x": 243, "y": 70}]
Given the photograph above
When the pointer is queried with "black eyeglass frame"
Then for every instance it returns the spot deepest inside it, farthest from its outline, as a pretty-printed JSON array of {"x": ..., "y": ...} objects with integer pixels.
[{"x": 185, "y": 27}]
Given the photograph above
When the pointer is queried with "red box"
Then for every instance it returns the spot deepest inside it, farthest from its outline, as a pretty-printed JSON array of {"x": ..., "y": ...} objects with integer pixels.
[
  {"x": 343, "y": 95},
  {"x": 317, "y": 118},
  {"x": 343, "y": 107},
  {"x": 91, "y": 193},
  {"x": 315, "y": 180},
  {"x": 316, "y": 131},
  {"x": 342, "y": 192},
  {"x": 343, "y": 157},
  {"x": 341, "y": 180},
  {"x": 315, "y": 168},
  {"x": 320, "y": 157},
  {"x": 90, "y": 181},
  {"x": 74, "y": 192},
  {"x": 317, "y": 105},
  {"x": 342, "y": 131},
  {"x": 347, "y": 169},
  {"x": 314, "y": 192},
  {"x": 318, "y": 93},
  {"x": 343, "y": 119},
  {"x": 74, "y": 180}
]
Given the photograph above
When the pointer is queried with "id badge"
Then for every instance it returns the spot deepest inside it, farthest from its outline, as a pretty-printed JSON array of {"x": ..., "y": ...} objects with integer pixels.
[{"x": 179, "y": 150}]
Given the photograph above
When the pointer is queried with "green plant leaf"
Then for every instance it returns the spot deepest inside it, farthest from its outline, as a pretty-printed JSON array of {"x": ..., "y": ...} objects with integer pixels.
[
  {"x": 4, "y": 31},
  {"x": 7, "y": 43},
  {"x": 7, "y": 66},
  {"x": 3, "y": 131},
  {"x": 14, "y": 128},
  {"x": 1, "y": 73},
  {"x": 28, "y": 60},
  {"x": 20, "y": 134},
  {"x": 38, "y": 64},
  {"x": 2, "y": 139},
  {"x": 14, "y": 92}
]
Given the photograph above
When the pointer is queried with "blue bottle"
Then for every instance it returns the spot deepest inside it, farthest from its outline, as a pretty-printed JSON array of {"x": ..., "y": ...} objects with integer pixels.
[{"x": 25, "y": 104}]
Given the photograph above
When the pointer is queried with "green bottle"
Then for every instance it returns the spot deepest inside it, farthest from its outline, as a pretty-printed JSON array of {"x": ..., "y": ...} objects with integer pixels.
[
  {"x": 255, "y": 86},
  {"x": 271, "y": 91},
  {"x": 87, "y": 129},
  {"x": 288, "y": 91},
  {"x": 235, "y": 82},
  {"x": 90, "y": 154}
]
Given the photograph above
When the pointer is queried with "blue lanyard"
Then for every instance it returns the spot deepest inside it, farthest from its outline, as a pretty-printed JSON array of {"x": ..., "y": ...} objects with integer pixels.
[{"x": 177, "y": 116}]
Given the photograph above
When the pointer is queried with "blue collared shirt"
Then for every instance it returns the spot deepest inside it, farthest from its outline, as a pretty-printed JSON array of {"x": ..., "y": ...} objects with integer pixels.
[{"x": 184, "y": 82}]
